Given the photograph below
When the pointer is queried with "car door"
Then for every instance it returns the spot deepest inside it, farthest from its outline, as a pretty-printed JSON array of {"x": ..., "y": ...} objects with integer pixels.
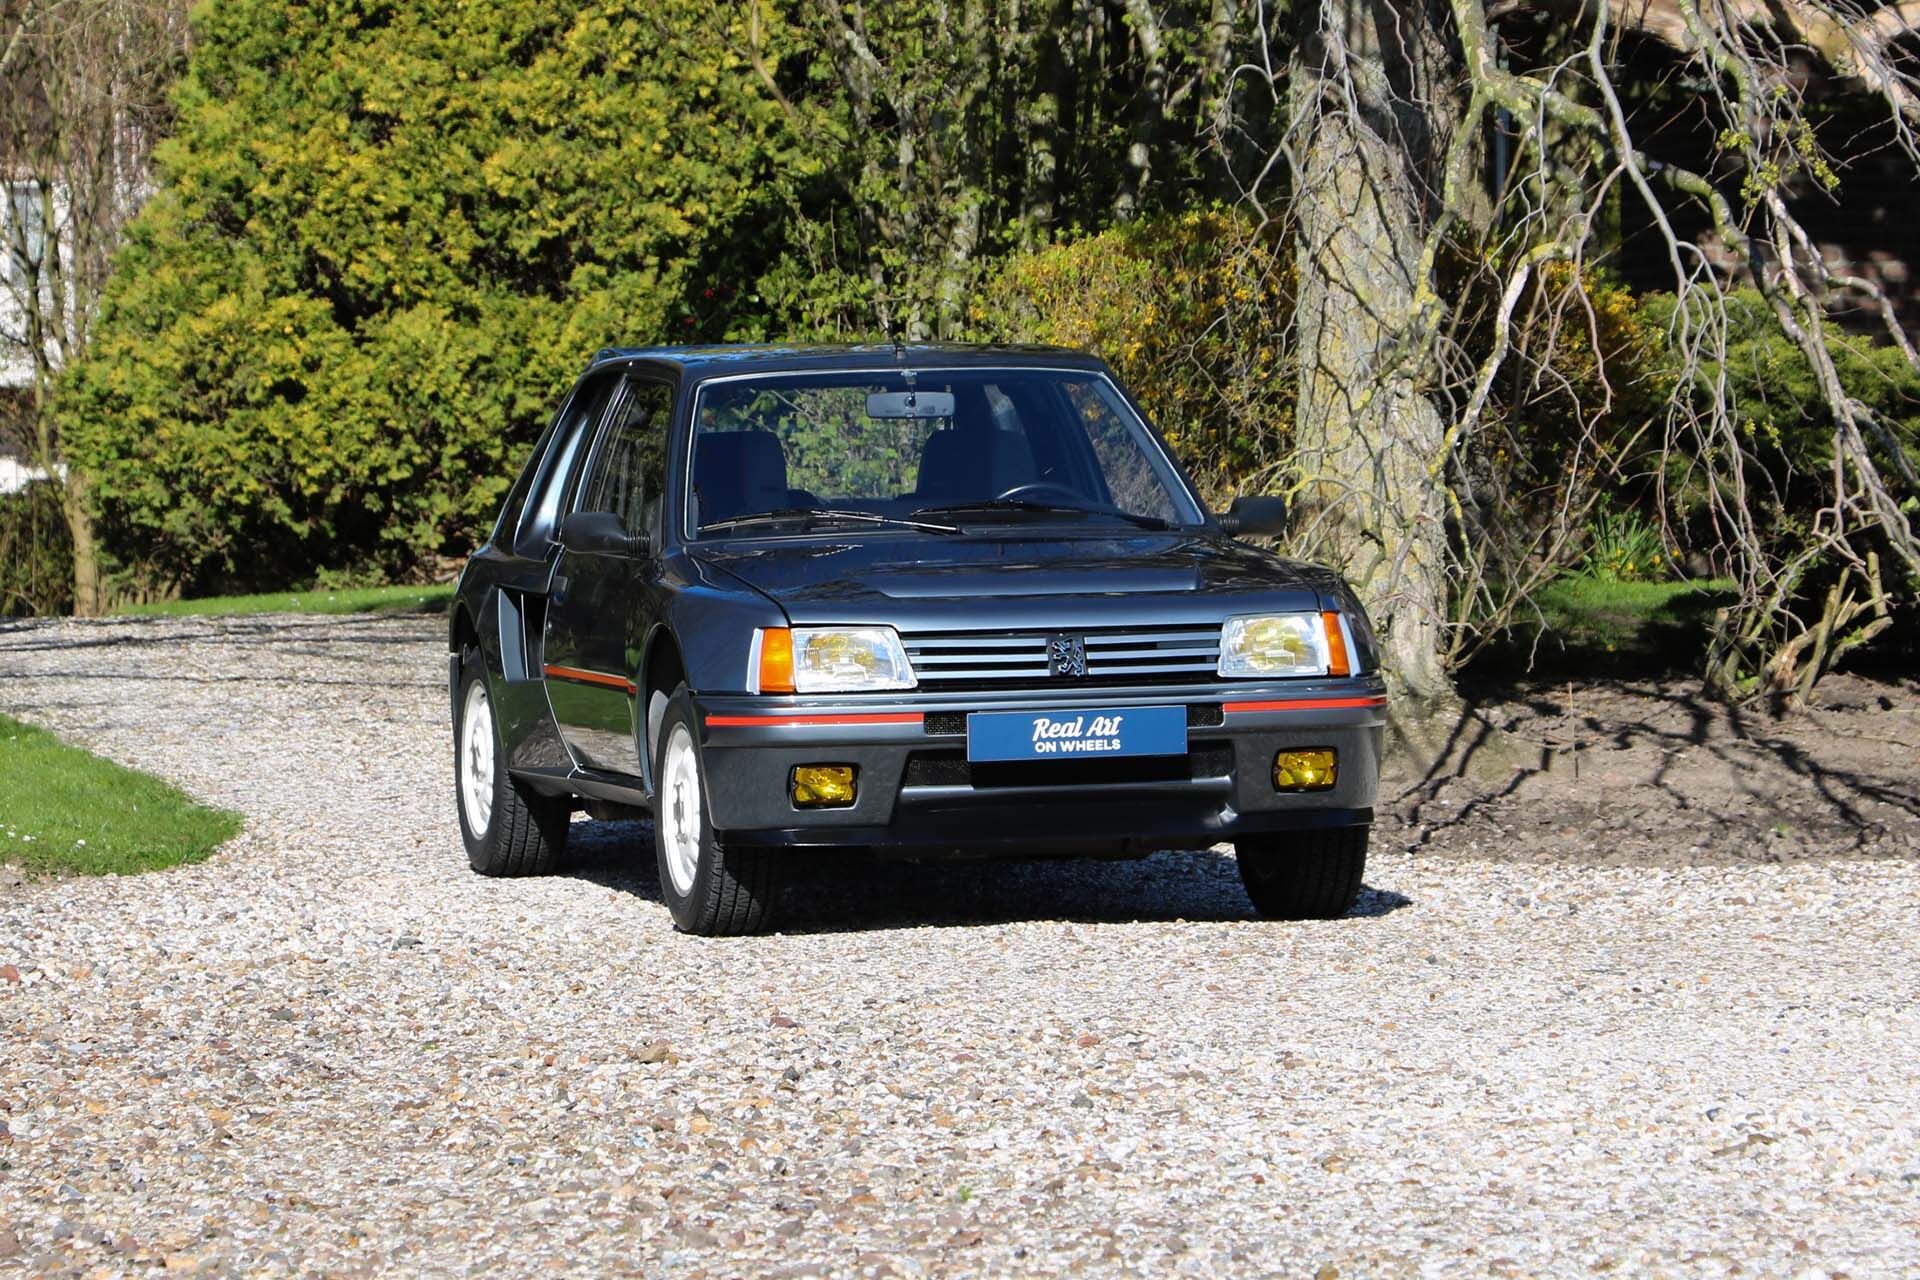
[{"x": 594, "y": 623}]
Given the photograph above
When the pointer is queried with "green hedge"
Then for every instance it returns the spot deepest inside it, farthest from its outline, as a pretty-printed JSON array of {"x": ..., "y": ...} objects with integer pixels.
[{"x": 386, "y": 235}]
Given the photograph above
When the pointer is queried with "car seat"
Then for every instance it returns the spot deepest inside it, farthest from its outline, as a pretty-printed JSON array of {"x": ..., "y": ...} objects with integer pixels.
[
  {"x": 954, "y": 467},
  {"x": 974, "y": 459},
  {"x": 737, "y": 473}
]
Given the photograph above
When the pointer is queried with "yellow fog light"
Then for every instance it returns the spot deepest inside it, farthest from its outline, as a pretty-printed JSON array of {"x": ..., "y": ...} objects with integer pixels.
[
  {"x": 1311, "y": 769},
  {"x": 822, "y": 786}
]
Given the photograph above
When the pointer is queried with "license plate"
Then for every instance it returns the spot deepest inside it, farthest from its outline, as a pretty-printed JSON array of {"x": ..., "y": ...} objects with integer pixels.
[{"x": 1076, "y": 735}]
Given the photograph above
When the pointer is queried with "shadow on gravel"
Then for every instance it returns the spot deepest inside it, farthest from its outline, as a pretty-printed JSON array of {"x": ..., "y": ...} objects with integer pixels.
[
  {"x": 1652, "y": 772},
  {"x": 310, "y": 633},
  {"x": 338, "y": 638},
  {"x": 849, "y": 893}
]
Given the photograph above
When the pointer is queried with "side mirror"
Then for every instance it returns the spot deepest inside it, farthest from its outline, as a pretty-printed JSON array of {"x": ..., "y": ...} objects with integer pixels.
[
  {"x": 1250, "y": 516},
  {"x": 599, "y": 531}
]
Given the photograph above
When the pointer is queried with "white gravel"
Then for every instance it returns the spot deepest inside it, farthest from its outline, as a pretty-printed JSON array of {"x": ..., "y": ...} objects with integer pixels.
[{"x": 333, "y": 1050}]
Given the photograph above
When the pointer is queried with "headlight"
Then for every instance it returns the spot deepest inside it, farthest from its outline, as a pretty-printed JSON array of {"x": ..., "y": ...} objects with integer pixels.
[
  {"x": 829, "y": 660},
  {"x": 1274, "y": 644}
]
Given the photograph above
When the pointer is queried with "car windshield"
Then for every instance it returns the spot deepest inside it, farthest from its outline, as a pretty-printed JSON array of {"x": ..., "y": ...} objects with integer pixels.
[{"x": 926, "y": 449}]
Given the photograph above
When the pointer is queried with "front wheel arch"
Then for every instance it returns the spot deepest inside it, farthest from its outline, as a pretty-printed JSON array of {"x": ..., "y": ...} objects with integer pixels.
[{"x": 662, "y": 672}]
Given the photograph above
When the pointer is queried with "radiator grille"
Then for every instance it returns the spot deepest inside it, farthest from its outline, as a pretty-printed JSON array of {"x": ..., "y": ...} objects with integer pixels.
[{"x": 1175, "y": 654}]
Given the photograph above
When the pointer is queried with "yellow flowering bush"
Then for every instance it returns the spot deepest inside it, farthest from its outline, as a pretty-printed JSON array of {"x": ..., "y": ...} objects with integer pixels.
[{"x": 1192, "y": 311}]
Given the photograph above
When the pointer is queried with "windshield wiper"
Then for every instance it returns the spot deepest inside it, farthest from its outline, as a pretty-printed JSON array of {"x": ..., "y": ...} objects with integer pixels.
[
  {"x": 990, "y": 505},
  {"x": 811, "y": 515}
]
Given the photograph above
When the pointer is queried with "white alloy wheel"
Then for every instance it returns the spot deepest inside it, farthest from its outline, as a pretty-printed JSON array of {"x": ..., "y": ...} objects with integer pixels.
[
  {"x": 679, "y": 813},
  {"x": 476, "y": 759}
]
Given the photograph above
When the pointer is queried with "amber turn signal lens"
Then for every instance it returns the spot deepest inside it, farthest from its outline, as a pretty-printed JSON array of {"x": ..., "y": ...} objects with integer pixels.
[
  {"x": 1337, "y": 662},
  {"x": 1311, "y": 769},
  {"x": 775, "y": 674},
  {"x": 822, "y": 786}
]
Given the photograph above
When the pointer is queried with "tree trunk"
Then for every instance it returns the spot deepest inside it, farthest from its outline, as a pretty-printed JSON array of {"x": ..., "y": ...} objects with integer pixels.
[
  {"x": 89, "y": 595},
  {"x": 88, "y": 601},
  {"x": 83, "y": 95},
  {"x": 1043, "y": 121},
  {"x": 1148, "y": 108},
  {"x": 1372, "y": 445}
]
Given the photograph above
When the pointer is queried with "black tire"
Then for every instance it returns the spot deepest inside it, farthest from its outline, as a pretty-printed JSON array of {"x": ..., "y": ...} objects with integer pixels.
[
  {"x": 725, "y": 892},
  {"x": 1304, "y": 875},
  {"x": 523, "y": 833}
]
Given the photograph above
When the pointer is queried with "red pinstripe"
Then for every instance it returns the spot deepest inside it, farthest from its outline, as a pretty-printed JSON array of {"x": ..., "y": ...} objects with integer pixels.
[
  {"x": 872, "y": 717},
  {"x": 592, "y": 677},
  {"x": 1307, "y": 704}
]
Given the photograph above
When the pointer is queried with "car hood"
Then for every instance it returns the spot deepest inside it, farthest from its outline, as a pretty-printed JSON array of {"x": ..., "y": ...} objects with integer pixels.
[{"x": 1015, "y": 578}]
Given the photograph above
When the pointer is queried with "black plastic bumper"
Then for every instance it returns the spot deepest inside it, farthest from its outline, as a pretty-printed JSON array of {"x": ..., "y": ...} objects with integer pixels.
[{"x": 917, "y": 792}]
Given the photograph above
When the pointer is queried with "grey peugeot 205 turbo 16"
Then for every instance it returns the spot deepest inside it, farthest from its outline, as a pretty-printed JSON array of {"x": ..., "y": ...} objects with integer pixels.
[{"x": 929, "y": 601}]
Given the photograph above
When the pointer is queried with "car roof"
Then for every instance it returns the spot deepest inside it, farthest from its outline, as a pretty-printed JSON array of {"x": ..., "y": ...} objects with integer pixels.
[{"x": 769, "y": 357}]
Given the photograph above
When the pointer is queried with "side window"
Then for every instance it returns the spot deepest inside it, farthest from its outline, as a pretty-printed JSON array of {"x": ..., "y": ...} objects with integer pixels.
[
  {"x": 576, "y": 426},
  {"x": 630, "y": 473}
]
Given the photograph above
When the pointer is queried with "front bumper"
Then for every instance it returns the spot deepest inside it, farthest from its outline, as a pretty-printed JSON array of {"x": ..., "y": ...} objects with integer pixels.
[{"x": 918, "y": 793}]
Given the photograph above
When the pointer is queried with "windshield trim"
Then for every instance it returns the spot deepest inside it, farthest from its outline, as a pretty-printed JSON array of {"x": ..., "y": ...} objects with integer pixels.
[{"x": 1172, "y": 474}]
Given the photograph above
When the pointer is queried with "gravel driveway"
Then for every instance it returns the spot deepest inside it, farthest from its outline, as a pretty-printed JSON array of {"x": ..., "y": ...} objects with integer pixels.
[{"x": 334, "y": 1050}]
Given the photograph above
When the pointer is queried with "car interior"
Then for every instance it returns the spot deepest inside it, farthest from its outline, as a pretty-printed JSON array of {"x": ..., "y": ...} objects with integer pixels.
[{"x": 983, "y": 452}]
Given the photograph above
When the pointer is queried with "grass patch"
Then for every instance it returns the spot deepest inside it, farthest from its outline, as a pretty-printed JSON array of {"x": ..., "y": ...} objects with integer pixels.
[
  {"x": 1597, "y": 613},
  {"x": 1590, "y": 625},
  {"x": 65, "y": 810},
  {"x": 431, "y": 599}
]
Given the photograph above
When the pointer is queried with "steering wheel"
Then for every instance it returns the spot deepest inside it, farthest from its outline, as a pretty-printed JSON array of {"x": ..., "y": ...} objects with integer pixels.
[{"x": 1039, "y": 487}]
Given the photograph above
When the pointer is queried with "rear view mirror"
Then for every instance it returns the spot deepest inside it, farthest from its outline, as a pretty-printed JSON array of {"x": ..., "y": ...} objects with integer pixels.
[
  {"x": 910, "y": 404},
  {"x": 1254, "y": 516},
  {"x": 599, "y": 531}
]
